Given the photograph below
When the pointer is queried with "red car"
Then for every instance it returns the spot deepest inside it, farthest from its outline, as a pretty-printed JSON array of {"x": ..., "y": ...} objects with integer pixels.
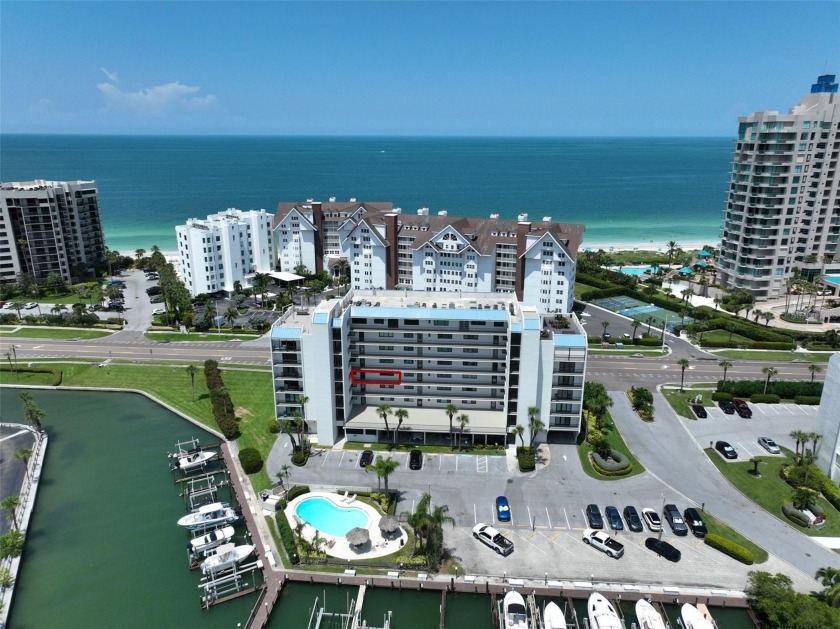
[{"x": 742, "y": 408}]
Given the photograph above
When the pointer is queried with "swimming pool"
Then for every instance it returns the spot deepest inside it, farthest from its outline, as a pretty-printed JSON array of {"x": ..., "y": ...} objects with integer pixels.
[
  {"x": 327, "y": 517},
  {"x": 631, "y": 270},
  {"x": 832, "y": 279}
]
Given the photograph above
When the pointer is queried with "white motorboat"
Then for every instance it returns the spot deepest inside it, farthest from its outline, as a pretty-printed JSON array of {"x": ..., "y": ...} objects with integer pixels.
[
  {"x": 204, "y": 543},
  {"x": 225, "y": 558},
  {"x": 514, "y": 611},
  {"x": 693, "y": 618},
  {"x": 647, "y": 616},
  {"x": 553, "y": 617},
  {"x": 209, "y": 516},
  {"x": 195, "y": 458},
  {"x": 601, "y": 613}
]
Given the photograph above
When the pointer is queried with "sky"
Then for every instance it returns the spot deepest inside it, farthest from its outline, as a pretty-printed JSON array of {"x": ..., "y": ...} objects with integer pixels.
[{"x": 407, "y": 68}]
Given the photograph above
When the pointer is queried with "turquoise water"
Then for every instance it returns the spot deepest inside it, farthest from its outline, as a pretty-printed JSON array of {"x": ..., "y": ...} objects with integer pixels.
[
  {"x": 629, "y": 270},
  {"x": 330, "y": 519},
  {"x": 832, "y": 279},
  {"x": 626, "y": 190},
  {"x": 103, "y": 549}
]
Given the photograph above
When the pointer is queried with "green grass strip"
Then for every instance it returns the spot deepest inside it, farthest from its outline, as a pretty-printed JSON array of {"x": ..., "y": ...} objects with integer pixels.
[
  {"x": 56, "y": 333},
  {"x": 616, "y": 442},
  {"x": 817, "y": 357}
]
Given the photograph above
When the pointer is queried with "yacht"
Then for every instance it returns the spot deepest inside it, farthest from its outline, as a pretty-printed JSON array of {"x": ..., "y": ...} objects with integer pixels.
[
  {"x": 601, "y": 613},
  {"x": 195, "y": 458},
  {"x": 204, "y": 543},
  {"x": 647, "y": 616},
  {"x": 209, "y": 516},
  {"x": 514, "y": 610},
  {"x": 553, "y": 617},
  {"x": 693, "y": 618},
  {"x": 225, "y": 558}
]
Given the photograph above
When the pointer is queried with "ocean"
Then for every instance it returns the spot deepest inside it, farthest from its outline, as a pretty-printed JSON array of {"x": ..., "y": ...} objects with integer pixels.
[{"x": 629, "y": 192}]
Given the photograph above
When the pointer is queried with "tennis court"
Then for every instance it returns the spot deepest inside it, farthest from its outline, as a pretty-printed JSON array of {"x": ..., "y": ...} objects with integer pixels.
[
  {"x": 635, "y": 309},
  {"x": 618, "y": 303},
  {"x": 638, "y": 310}
]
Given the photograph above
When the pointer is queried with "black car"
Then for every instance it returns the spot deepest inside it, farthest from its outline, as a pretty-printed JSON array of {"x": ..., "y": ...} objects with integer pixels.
[
  {"x": 366, "y": 458},
  {"x": 153, "y": 290},
  {"x": 695, "y": 522},
  {"x": 593, "y": 514},
  {"x": 415, "y": 460},
  {"x": 663, "y": 549},
  {"x": 699, "y": 410},
  {"x": 675, "y": 521},
  {"x": 727, "y": 407},
  {"x": 742, "y": 408},
  {"x": 726, "y": 450},
  {"x": 634, "y": 522}
]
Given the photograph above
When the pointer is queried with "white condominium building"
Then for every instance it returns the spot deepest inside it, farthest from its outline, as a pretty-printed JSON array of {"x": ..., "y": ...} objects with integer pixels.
[
  {"x": 49, "y": 227},
  {"x": 487, "y": 353},
  {"x": 385, "y": 249},
  {"x": 225, "y": 248},
  {"x": 783, "y": 208},
  {"x": 828, "y": 423}
]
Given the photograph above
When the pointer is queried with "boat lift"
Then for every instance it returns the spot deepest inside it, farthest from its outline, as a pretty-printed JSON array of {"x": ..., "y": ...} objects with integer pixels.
[
  {"x": 201, "y": 490},
  {"x": 320, "y": 618},
  {"x": 185, "y": 448},
  {"x": 229, "y": 584}
]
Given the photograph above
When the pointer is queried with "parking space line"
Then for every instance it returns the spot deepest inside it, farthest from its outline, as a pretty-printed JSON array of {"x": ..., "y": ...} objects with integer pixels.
[
  {"x": 456, "y": 462},
  {"x": 744, "y": 448},
  {"x": 568, "y": 526},
  {"x": 326, "y": 456},
  {"x": 551, "y": 541},
  {"x": 341, "y": 460},
  {"x": 440, "y": 463},
  {"x": 775, "y": 410},
  {"x": 532, "y": 543},
  {"x": 475, "y": 514},
  {"x": 548, "y": 517},
  {"x": 760, "y": 409},
  {"x": 530, "y": 517},
  {"x": 787, "y": 408}
]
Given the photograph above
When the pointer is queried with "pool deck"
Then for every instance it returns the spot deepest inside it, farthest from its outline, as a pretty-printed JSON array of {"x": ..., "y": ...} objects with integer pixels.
[{"x": 338, "y": 546}]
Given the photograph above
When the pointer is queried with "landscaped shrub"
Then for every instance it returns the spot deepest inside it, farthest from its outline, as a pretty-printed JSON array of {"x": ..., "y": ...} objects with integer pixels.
[
  {"x": 220, "y": 400},
  {"x": 777, "y": 345},
  {"x": 719, "y": 396},
  {"x": 300, "y": 456},
  {"x": 795, "y": 515},
  {"x": 794, "y": 475},
  {"x": 831, "y": 492},
  {"x": 642, "y": 401},
  {"x": 765, "y": 398},
  {"x": 648, "y": 341},
  {"x": 728, "y": 547},
  {"x": 527, "y": 459},
  {"x": 817, "y": 510},
  {"x": 297, "y": 490},
  {"x": 785, "y": 389},
  {"x": 274, "y": 427},
  {"x": 807, "y": 400},
  {"x": 616, "y": 462},
  {"x": 250, "y": 460},
  {"x": 613, "y": 473},
  {"x": 287, "y": 536}
]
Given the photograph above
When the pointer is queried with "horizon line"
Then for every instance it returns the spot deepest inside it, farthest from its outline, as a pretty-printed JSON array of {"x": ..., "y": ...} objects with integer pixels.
[{"x": 365, "y": 136}]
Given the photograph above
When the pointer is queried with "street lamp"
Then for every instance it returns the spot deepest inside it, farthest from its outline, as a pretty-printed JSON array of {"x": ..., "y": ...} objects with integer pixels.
[
  {"x": 661, "y": 523},
  {"x": 218, "y": 323},
  {"x": 664, "y": 327}
]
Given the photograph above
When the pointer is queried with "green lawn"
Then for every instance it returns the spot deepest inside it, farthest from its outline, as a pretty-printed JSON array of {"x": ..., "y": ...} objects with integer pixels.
[
  {"x": 647, "y": 353},
  {"x": 766, "y": 355},
  {"x": 55, "y": 333},
  {"x": 582, "y": 288},
  {"x": 723, "y": 335},
  {"x": 405, "y": 447},
  {"x": 195, "y": 337},
  {"x": 719, "y": 528},
  {"x": 613, "y": 435},
  {"x": 769, "y": 491},
  {"x": 681, "y": 401}
]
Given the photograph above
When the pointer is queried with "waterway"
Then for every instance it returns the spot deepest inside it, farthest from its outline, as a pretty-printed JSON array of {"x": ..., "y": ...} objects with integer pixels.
[{"x": 103, "y": 549}]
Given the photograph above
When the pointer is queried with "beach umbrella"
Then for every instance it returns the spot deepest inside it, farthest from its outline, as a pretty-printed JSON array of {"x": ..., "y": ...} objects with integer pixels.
[
  {"x": 389, "y": 524},
  {"x": 701, "y": 264},
  {"x": 358, "y": 536},
  {"x": 704, "y": 254},
  {"x": 686, "y": 271}
]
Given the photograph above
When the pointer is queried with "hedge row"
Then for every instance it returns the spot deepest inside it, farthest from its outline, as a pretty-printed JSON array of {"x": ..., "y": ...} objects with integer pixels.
[
  {"x": 766, "y": 398},
  {"x": 795, "y": 515},
  {"x": 287, "y": 537},
  {"x": 808, "y": 400},
  {"x": 527, "y": 459},
  {"x": 607, "y": 472},
  {"x": 643, "y": 341},
  {"x": 220, "y": 400},
  {"x": 714, "y": 320},
  {"x": 786, "y": 389},
  {"x": 754, "y": 345},
  {"x": 728, "y": 547},
  {"x": 617, "y": 465},
  {"x": 721, "y": 396},
  {"x": 297, "y": 490},
  {"x": 57, "y": 374}
]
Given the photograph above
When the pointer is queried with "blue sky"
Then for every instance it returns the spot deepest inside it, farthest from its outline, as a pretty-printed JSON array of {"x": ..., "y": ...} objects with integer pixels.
[{"x": 402, "y": 68}]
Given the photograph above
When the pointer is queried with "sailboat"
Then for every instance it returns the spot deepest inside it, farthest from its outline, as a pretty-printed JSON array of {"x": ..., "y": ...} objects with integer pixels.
[
  {"x": 647, "y": 616},
  {"x": 602, "y": 614}
]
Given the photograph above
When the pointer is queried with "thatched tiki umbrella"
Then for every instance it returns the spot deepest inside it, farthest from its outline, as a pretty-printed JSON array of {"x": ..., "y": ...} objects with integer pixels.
[
  {"x": 358, "y": 536},
  {"x": 389, "y": 525}
]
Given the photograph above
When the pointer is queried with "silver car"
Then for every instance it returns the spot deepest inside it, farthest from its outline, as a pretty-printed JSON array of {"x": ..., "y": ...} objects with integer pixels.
[{"x": 768, "y": 444}]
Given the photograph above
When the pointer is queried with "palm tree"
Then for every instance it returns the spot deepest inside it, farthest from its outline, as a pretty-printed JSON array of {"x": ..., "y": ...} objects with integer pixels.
[
  {"x": 814, "y": 369},
  {"x": 191, "y": 370},
  {"x": 17, "y": 305},
  {"x": 828, "y": 576},
  {"x": 8, "y": 356},
  {"x": 756, "y": 461},
  {"x": 800, "y": 436},
  {"x": 383, "y": 410},
  {"x": 284, "y": 473},
  {"x": 401, "y": 414},
  {"x": 683, "y": 363},
  {"x": 451, "y": 410},
  {"x": 231, "y": 314},
  {"x": 463, "y": 421},
  {"x": 649, "y": 321},
  {"x": 317, "y": 540},
  {"x": 519, "y": 431},
  {"x": 33, "y": 413},
  {"x": 803, "y": 497},
  {"x": 535, "y": 424},
  {"x": 11, "y": 503},
  {"x": 769, "y": 372},
  {"x": 24, "y": 454},
  {"x": 139, "y": 253},
  {"x": 605, "y": 325},
  {"x": 672, "y": 249},
  {"x": 261, "y": 283},
  {"x": 419, "y": 520},
  {"x": 768, "y": 317},
  {"x": 57, "y": 309},
  {"x": 79, "y": 309},
  {"x": 290, "y": 428},
  {"x": 815, "y": 437},
  {"x": 383, "y": 468},
  {"x": 636, "y": 324},
  {"x": 756, "y": 314}
]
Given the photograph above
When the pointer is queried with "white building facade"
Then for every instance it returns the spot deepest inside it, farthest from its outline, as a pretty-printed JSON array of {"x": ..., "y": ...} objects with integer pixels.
[
  {"x": 50, "y": 227},
  {"x": 225, "y": 248},
  {"x": 386, "y": 249},
  {"x": 828, "y": 423},
  {"x": 783, "y": 209},
  {"x": 487, "y": 353}
]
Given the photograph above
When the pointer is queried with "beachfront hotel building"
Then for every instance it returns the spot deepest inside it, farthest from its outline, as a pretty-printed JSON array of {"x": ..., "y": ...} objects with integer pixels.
[
  {"x": 783, "y": 207},
  {"x": 49, "y": 227},
  {"x": 385, "y": 249},
  {"x": 828, "y": 422},
  {"x": 487, "y": 353},
  {"x": 225, "y": 248}
]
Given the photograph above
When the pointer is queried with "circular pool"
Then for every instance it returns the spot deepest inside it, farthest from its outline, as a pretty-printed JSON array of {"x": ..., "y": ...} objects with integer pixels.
[{"x": 324, "y": 515}]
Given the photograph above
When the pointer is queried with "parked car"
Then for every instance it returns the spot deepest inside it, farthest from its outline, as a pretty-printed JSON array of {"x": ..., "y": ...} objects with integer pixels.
[
  {"x": 675, "y": 521},
  {"x": 593, "y": 515},
  {"x": 699, "y": 410},
  {"x": 742, "y": 408},
  {"x": 768, "y": 444},
  {"x": 366, "y": 458},
  {"x": 94, "y": 307},
  {"x": 502, "y": 509},
  {"x": 727, "y": 407},
  {"x": 663, "y": 549},
  {"x": 159, "y": 311},
  {"x": 415, "y": 460},
  {"x": 603, "y": 542},
  {"x": 156, "y": 299},
  {"x": 726, "y": 450},
  {"x": 652, "y": 519},
  {"x": 495, "y": 540},
  {"x": 153, "y": 290},
  {"x": 606, "y": 335},
  {"x": 695, "y": 522},
  {"x": 30, "y": 305},
  {"x": 614, "y": 518},
  {"x": 634, "y": 522}
]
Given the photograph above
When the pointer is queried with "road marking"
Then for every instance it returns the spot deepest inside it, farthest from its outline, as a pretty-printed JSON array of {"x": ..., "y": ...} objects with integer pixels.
[
  {"x": 531, "y": 543},
  {"x": 341, "y": 460},
  {"x": 456, "y": 462},
  {"x": 551, "y": 541},
  {"x": 475, "y": 514},
  {"x": 760, "y": 409},
  {"x": 440, "y": 464},
  {"x": 19, "y": 432},
  {"x": 568, "y": 526},
  {"x": 787, "y": 408},
  {"x": 530, "y": 517},
  {"x": 481, "y": 464},
  {"x": 775, "y": 410},
  {"x": 326, "y": 456},
  {"x": 744, "y": 448},
  {"x": 548, "y": 517}
]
